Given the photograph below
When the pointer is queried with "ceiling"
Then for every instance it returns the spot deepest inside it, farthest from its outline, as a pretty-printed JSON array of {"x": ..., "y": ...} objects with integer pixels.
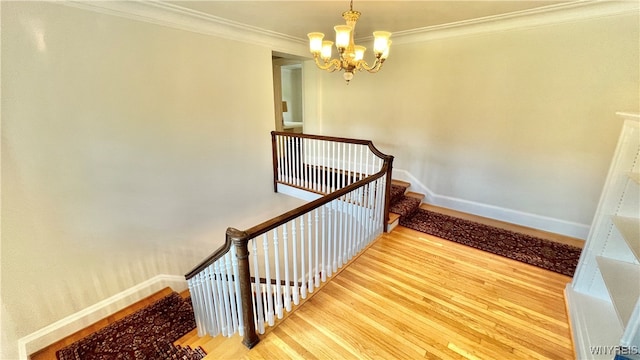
[{"x": 296, "y": 18}]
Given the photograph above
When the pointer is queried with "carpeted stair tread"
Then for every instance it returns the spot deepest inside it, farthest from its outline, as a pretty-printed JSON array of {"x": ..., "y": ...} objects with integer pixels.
[
  {"x": 397, "y": 191},
  {"x": 405, "y": 206}
]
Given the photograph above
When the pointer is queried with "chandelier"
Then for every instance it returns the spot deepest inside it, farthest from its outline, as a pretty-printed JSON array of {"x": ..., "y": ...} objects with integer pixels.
[{"x": 351, "y": 55}]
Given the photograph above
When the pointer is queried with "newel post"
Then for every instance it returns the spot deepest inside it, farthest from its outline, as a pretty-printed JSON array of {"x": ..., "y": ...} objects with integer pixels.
[
  {"x": 239, "y": 239},
  {"x": 387, "y": 195}
]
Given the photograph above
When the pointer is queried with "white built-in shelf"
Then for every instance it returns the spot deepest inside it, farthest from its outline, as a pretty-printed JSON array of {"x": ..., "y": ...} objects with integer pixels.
[
  {"x": 629, "y": 228},
  {"x": 588, "y": 313},
  {"x": 634, "y": 176},
  {"x": 623, "y": 283}
]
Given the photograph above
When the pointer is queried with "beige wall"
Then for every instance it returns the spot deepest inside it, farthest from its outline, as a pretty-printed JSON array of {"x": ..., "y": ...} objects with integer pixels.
[
  {"x": 118, "y": 138},
  {"x": 521, "y": 121}
]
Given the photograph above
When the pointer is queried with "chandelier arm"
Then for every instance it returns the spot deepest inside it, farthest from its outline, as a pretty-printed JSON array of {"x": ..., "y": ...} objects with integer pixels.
[
  {"x": 375, "y": 67},
  {"x": 330, "y": 66}
]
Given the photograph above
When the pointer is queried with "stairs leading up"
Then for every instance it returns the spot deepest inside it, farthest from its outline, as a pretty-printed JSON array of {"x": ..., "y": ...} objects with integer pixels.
[{"x": 403, "y": 202}]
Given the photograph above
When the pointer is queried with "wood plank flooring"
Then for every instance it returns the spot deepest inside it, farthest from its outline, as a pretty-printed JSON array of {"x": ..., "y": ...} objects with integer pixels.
[
  {"x": 411, "y": 296},
  {"x": 414, "y": 296}
]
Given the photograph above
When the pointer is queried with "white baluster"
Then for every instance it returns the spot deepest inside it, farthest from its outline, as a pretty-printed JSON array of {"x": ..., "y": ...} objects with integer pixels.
[
  {"x": 338, "y": 233},
  {"x": 305, "y": 163},
  {"x": 317, "y": 248},
  {"x": 361, "y": 218},
  {"x": 310, "y": 239},
  {"x": 323, "y": 271},
  {"x": 216, "y": 325},
  {"x": 350, "y": 231},
  {"x": 294, "y": 153},
  {"x": 349, "y": 164},
  {"x": 234, "y": 289},
  {"x": 345, "y": 226},
  {"x": 332, "y": 166},
  {"x": 279, "y": 158},
  {"x": 285, "y": 173},
  {"x": 294, "y": 241},
  {"x": 267, "y": 274},
  {"x": 220, "y": 304},
  {"x": 257, "y": 294},
  {"x": 343, "y": 165},
  {"x": 227, "y": 301},
  {"x": 276, "y": 248},
  {"x": 366, "y": 163},
  {"x": 380, "y": 206},
  {"x": 303, "y": 288},
  {"x": 325, "y": 167},
  {"x": 314, "y": 167},
  {"x": 287, "y": 287},
  {"x": 292, "y": 161},
  {"x": 330, "y": 240}
]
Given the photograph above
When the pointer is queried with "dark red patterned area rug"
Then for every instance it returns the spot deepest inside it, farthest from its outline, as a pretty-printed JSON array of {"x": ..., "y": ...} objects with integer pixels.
[
  {"x": 147, "y": 334},
  {"x": 546, "y": 254}
]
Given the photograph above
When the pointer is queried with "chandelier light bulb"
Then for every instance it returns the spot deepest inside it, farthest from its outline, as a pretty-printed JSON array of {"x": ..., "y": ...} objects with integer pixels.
[
  {"x": 385, "y": 54},
  {"x": 343, "y": 35},
  {"x": 315, "y": 42},
  {"x": 359, "y": 50},
  {"x": 327, "y": 49},
  {"x": 380, "y": 42}
]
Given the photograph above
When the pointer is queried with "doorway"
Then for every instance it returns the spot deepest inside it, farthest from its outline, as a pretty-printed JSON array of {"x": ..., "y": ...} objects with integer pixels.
[{"x": 288, "y": 95}]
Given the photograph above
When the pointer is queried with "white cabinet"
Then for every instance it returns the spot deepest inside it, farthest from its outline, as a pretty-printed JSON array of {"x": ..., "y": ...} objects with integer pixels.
[{"x": 603, "y": 300}]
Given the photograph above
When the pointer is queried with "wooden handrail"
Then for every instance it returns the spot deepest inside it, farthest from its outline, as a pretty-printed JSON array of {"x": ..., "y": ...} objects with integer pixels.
[{"x": 284, "y": 218}]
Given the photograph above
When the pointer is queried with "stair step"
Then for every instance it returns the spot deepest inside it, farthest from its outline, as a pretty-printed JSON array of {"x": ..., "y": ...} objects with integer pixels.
[
  {"x": 415, "y": 195},
  {"x": 185, "y": 293},
  {"x": 400, "y": 183},
  {"x": 405, "y": 206},
  {"x": 393, "y": 217}
]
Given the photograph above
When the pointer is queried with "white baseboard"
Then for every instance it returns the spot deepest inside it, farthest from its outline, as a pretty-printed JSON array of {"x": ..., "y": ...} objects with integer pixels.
[
  {"x": 545, "y": 223},
  {"x": 80, "y": 320},
  {"x": 297, "y": 193}
]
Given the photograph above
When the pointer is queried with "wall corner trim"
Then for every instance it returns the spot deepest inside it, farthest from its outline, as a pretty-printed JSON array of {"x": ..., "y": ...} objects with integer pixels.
[
  {"x": 545, "y": 223},
  {"x": 85, "y": 317}
]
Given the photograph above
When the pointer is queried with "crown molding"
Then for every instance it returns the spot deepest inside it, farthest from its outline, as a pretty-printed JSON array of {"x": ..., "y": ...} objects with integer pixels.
[
  {"x": 543, "y": 16},
  {"x": 174, "y": 16},
  {"x": 171, "y": 15}
]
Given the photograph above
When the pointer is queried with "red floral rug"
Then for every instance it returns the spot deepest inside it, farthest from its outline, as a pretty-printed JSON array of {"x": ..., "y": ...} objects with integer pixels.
[
  {"x": 146, "y": 334},
  {"x": 546, "y": 254}
]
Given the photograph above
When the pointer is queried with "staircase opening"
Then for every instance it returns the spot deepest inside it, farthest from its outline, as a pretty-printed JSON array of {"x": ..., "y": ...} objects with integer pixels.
[{"x": 263, "y": 272}]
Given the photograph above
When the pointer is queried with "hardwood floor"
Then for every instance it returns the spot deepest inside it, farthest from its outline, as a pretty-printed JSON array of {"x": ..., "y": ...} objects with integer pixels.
[
  {"x": 414, "y": 296},
  {"x": 411, "y": 296}
]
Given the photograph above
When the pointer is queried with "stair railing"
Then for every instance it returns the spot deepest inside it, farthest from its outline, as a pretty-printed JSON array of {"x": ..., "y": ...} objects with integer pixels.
[{"x": 292, "y": 254}]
